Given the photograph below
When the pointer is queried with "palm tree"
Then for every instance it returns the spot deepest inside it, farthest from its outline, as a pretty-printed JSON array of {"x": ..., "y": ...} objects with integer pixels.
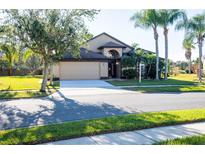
[
  {"x": 167, "y": 18},
  {"x": 148, "y": 19},
  {"x": 10, "y": 55},
  {"x": 9, "y": 47},
  {"x": 195, "y": 31},
  {"x": 188, "y": 46}
]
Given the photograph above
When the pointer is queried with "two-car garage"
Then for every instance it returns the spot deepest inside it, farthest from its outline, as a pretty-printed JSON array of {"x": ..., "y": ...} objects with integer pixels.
[{"x": 78, "y": 70}]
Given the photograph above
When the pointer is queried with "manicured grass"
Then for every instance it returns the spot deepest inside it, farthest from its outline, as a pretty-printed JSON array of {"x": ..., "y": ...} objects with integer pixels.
[
  {"x": 193, "y": 140},
  {"x": 23, "y": 87},
  {"x": 41, "y": 134},
  {"x": 169, "y": 89},
  {"x": 20, "y": 82},
  {"x": 181, "y": 79}
]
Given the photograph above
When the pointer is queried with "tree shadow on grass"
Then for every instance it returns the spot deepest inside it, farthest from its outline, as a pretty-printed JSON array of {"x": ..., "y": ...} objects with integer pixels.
[{"x": 7, "y": 94}]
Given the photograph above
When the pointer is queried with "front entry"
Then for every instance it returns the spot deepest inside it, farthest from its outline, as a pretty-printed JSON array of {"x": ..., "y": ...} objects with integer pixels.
[{"x": 112, "y": 69}]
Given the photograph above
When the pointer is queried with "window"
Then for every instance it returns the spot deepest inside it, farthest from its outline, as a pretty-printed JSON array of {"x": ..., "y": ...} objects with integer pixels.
[{"x": 113, "y": 54}]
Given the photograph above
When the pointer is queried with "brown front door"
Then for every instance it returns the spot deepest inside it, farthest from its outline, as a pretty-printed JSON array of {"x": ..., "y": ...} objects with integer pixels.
[{"x": 112, "y": 69}]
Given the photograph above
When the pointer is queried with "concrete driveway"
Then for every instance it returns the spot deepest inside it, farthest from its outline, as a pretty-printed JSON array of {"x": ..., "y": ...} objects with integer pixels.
[
  {"x": 87, "y": 87},
  {"x": 65, "y": 84},
  {"x": 78, "y": 100}
]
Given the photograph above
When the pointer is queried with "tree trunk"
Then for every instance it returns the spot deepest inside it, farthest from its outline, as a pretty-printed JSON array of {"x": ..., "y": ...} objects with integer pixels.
[
  {"x": 157, "y": 53},
  {"x": 10, "y": 70},
  {"x": 148, "y": 70},
  {"x": 190, "y": 65},
  {"x": 166, "y": 52},
  {"x": 200, "y": 60},
  {"x": 45, "y": 77},
  {"x": 51, "y": 74}
]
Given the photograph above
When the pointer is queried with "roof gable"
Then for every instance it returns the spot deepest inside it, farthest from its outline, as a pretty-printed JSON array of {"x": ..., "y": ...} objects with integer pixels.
[{"x": 126, "y": 45}]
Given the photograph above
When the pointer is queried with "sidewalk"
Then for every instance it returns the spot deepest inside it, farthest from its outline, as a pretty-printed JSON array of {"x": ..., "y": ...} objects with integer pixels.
[{"x": 145, "y": 136}]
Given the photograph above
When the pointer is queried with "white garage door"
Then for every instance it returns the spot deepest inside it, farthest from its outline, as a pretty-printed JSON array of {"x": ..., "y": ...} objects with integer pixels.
[{"x": 79, "y": 70}]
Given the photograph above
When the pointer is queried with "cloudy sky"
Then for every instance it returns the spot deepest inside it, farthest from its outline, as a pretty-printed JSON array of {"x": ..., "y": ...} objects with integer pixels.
[{"x": 117, "y": 24}]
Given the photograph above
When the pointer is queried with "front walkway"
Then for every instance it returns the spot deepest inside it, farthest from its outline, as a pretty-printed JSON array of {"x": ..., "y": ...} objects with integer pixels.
[{"x": 146, "y": 136}]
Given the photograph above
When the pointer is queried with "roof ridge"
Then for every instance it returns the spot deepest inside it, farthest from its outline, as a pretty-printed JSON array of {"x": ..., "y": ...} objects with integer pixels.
[{"x": 110, "y": 37}]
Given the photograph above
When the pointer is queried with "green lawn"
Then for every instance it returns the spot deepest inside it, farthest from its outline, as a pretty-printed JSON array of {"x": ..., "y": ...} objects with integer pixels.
[
  {"x": 169, "y": 89},
  {"x": 41, "y": 134},
  {"x": 20, "y": 82},
  {"x": 181, "y": 79},
  {"x": 193, "y": 140},
  {"x": 23, "y": 87}
]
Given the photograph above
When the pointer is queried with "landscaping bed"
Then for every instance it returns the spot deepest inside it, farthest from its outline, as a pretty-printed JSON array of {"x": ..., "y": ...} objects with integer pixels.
[{"x": 54, "y": 132}]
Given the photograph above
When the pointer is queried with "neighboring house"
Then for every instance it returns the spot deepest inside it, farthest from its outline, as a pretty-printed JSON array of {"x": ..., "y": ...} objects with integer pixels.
[{"x": 99, "y": 58}]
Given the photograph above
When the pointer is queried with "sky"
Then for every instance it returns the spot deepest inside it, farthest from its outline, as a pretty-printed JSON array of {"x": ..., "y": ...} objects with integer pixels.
[{"x": 117, "y": 23}]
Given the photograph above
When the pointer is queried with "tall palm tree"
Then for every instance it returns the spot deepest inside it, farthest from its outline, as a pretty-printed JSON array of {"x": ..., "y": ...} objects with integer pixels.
[
  {"x": 188, "y": 46},
  {"x": 195, "y": 31},
  {"x": 167, "y": 18},
  {"x": 148, "y": 19}
]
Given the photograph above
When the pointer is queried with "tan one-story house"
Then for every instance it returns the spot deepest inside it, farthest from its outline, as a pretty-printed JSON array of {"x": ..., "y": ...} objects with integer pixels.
[{"x": 99, "y": 59}]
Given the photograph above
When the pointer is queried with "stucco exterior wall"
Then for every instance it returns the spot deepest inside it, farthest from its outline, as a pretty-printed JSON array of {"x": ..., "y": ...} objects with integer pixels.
[
  {"x": 103, "y": 69},
  {"x": 56, "y": 70},
  {"x": 99, "y": 41}
]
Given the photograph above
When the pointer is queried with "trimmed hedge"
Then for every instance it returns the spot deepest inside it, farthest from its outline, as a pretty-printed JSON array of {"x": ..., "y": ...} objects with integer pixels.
[{"x": 129, "y": 73}]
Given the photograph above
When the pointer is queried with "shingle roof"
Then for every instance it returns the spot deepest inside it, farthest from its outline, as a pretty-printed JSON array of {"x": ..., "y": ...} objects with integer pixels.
[
  {"x": 85, "y": 54},
  {"x": 112, "y": 38},
  {"x": 147, "y": 51},
  {"x": 112, "y": 45}
]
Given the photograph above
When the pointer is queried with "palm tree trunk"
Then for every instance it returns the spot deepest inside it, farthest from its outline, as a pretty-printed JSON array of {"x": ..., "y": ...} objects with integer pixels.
[
  {"x": 45, "y": 77},
  {"x": 200, "y": 62},
  {"x": 157, "y": 53},
  {"x": 166, "y": 52},
  {"x": 190, "y": 65}
]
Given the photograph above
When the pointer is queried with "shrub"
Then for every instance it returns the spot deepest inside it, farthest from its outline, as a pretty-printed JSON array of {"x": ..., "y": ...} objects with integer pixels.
[
  {"x": 128, "y": 61},
  {"x": 129, "y": 73},
  {"x": 187, "y": 71}
]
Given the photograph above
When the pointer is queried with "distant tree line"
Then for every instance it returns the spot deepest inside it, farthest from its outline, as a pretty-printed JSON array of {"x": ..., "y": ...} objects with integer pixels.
[{"x": 194, "y": 32}]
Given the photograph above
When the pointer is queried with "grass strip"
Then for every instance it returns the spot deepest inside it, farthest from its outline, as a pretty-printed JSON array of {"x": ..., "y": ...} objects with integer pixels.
[
  {"x": 169, "y": 89},
  {"x": 192, "y": 140},
  {"x": 54, "y": 132}
]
